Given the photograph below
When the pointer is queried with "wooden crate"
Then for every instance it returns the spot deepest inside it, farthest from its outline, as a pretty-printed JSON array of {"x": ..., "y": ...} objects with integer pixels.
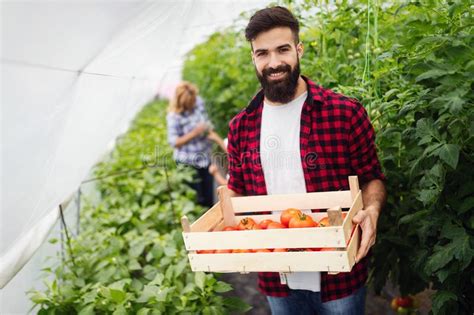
[{"x": 206, "y": 234}]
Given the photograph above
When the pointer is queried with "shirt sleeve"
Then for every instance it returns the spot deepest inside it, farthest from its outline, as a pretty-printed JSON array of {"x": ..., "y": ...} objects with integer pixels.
[
  {"x": 174, "y": 129},
  {"x": 236, "y": 182},
  {"x": 364, "y": 161}
]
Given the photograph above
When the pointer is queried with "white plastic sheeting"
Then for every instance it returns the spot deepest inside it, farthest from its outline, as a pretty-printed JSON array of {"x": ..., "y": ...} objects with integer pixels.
[{"x": 73, "y": 74}]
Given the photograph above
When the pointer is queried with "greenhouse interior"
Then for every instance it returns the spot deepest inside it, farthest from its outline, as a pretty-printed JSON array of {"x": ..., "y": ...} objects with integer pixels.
[{"x": 147, "y": 166}]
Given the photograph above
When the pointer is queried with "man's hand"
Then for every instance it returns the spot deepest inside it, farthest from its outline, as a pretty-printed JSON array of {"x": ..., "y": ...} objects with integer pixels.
[
  {"x": 367, "y": 219},
  {"x": 374, "y": 196}
]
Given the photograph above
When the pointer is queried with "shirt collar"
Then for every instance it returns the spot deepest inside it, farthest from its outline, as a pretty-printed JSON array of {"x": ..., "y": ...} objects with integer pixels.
[{"x": 315, "y": 95}]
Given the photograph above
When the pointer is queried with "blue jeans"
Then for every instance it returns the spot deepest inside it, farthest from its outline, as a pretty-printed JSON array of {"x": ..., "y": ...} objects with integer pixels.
[{"x": 304, "y": 302}]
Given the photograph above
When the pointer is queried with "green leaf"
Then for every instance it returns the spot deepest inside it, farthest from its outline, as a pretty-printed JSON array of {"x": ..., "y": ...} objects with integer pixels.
[
  {"x": 117, "y": 296},
  {"x": 427, "y": 196},
  {"x": 134, "y": 265},
  {"x": 163, "y": 294},
  {"x": 425, "y": 130},
  {"x": 470, "y": 223},
  {"x": 455, "y": 104},
  {"x": 39, "y": 297},
  {"x": 88, "y": 310},
  {"x": 120, "y": 284},
  {"x": 120, "y": 310},
  {"x": 199, "y": 279},
  {"x": 53, "y": 241},
  {"x": 413, "y": 217},
  {"x": 440, "y": 258},
  {"x": 431, "y": 74},
  {"x": 137, "y": 249},
  {"x": 441, "y": 297},
  {"x": 158, "y": 279},
  {"x": 452, "y": 232},
  {"x": 449, "y": 153},
  {"x": 149, "y": 292},
  {"x": 170, "y": 251},
  {"x": 443, "y": 274},
  {"x": 143, "y": 311},
  {"x": 463, "y": 251},
  {"x": 181, "y": 266},
  {"x": 136, "y": 285},
  {"x": 467, "y": 205},
  {"x": 236, "y": 304},
  {"x": 222, "y": 287},
  {"x": 90, "y": 296}
]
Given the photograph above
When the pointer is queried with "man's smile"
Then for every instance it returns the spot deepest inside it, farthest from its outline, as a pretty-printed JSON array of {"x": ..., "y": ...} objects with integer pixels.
[{"x": 277, "y": 75}]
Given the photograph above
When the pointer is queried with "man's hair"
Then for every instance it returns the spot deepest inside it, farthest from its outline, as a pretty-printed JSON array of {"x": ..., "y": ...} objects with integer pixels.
[{"x": 269, "y": 18}]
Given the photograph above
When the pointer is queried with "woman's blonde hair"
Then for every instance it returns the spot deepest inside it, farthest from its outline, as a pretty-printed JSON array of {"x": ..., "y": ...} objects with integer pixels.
[{"x": 184, "y": 98}]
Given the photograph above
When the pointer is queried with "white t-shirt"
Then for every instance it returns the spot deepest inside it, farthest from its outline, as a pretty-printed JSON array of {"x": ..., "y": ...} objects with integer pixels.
[{"x": 282, "y": 168}]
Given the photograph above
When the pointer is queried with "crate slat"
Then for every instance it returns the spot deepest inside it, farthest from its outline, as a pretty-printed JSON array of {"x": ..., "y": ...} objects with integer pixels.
[
  {"x": 332, "y": 261},
  {"x": 347, "y": 225},
  {"x": 226, "y": 205},
  {"x": 220, "y": 226},
  {"x": 314, "y": 200},
  {"x": 275, "y": 238},
  {"x": 208, "y": 220},
  {"x": 353, "y": 246}
]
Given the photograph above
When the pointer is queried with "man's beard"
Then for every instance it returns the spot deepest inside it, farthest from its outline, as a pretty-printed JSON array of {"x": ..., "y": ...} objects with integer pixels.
[{"x": 280, "y": 91}]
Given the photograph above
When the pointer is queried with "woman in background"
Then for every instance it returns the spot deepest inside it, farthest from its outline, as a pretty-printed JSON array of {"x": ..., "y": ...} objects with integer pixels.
[{"x": 190, "y": 133}]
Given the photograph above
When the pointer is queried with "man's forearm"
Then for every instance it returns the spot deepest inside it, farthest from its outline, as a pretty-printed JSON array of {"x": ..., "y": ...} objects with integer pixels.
[{"x": 374, "y": 195}]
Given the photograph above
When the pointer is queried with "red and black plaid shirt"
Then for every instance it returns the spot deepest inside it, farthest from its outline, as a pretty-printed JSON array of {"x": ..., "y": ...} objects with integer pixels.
[{"x": 336, "y": 140}]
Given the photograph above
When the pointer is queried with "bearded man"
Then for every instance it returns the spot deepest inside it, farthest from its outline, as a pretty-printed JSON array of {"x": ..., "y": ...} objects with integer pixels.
[{"x": 297, "y": 137}]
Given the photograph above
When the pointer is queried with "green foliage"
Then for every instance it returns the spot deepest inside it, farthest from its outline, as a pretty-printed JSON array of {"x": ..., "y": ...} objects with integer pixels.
[
  {"x": 222, "y": 67},
  {"x": 129, "y": 257},
  {"x": 411, "y": 64}
]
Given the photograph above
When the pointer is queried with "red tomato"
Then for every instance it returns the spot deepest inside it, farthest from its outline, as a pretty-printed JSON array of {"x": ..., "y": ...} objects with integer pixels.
[
  {"x": 264, "y": 224},
  {"x": 324, "y": 222},
  {"x": 286, "y": 215},
  {"x": 394, "y": 304},
  {"x": 223, "y": 251},
  {"x": 229, "y": 228},
  {"x": 246, "y": 224},
  {"x": 206, "y": 251},
  {"x": 297, "y": 249},
  {"x": 241, "y": 251},
  {"x": 275, "y": 225},
  {"x": 405, "y": 301},
  {"x": 302, "y": 221}
]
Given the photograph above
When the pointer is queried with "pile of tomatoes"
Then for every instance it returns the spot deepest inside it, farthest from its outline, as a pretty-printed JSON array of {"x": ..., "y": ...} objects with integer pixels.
[
  {"x": 405, "y": 305},
  {"x": 289, "y": 218}
]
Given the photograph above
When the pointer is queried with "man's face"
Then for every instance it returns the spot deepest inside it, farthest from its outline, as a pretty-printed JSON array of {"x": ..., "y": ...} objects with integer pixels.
[{"x": 276, "y": 59}]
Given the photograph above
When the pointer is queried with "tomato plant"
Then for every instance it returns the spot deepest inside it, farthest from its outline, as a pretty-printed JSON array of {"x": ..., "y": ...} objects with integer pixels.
[{"x": 129, "y": 257}]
